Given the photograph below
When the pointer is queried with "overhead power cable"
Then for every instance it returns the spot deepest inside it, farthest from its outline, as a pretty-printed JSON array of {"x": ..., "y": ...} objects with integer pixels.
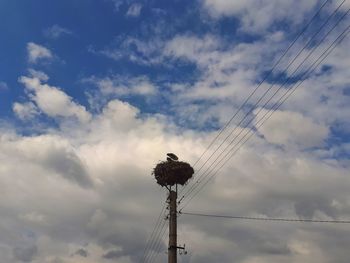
[
  {"x": 282, "y": 99},
  {"x": 270, "y": 112},
  {"x": 151, "y": 241},
  {"x": 158, "y": 243},
  {"x": 150, "y": 244},
  {"x": 262, "y": 81},
  {"x": 156, "y": 231},
  {"x": 159, "y": 230},
  {"x": 265, "y": 93},
  {"x": 296, "y": 220}
]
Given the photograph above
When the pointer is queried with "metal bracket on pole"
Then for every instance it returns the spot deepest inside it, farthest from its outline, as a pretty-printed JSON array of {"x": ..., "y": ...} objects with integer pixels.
[{"x": 182, "y": 250}]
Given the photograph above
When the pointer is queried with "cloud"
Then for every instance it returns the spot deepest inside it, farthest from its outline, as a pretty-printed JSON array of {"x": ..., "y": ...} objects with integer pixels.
[
  {"x": 133, "y": 49},
  {"x": 134, "y": 10},
  {"x": 34, "y": 217},
  {"x": 38, "y": 74},
  {"x": 227, "y": 74},
  {"x": 191, "y": 48},
  {"x": 230, "y": 72},
  {"x": 38, "y": 53},
  {"x": 255, "y": 17},
  {"x": 123, "y": 86},
  {"x": 113, "y": 254},
  {"x": 56, "y": 31},
  {"x": 56, "y": 167},
  {"x": 82, "y": 252},
  {"x": 293, "y": 129},
  {"x": 25, "y": 111},
  {"x": 53, "y": 154},
  {"x": 25, "y": 254},
  {"x": 113, "y": 150},
  {"x": 53, "y": 101},
  {"x": 117, "y": 4},
  {"x": 87, "y": 184}
]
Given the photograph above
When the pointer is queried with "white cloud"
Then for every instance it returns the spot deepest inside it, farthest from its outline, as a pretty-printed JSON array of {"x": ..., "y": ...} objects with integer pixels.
[
  {"x": 259, "y": 16},
  {"x": 54, "y": 168},
  {"x": 89, "y": 186},
  {"x": 134, "y": 10},
  {"x": 50, "y": 153},
  {"x": 293, "y": 129},
  {"x": 34, "y": 217},
  {"x": 37, "y": 52},
  {"x": 229, "y": 72},
  {"x": 53, "y": 101},
  {"x": 25, "y": 111},
  {"x": 135, "y": 50},
  {"x": 56, "y": 31},
  {"x": 192, "y": 48},
  {"x": 117, "y": 150},
  {"x": 123, "y": 86},
  {"x": 38, "y": 74}
]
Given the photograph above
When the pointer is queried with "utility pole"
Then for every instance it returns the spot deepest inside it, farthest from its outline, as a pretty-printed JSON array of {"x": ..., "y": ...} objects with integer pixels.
[
  {"x": 172, "y": 250},
  {"x": 170, "y": 174}
]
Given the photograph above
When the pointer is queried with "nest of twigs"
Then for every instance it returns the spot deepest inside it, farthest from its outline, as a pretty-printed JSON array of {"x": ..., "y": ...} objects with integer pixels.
[{"x": 169, "y": 173}]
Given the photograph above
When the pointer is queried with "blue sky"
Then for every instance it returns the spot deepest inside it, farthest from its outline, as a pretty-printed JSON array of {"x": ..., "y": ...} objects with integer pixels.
[
  {"x": 91, "y": 25},
  {"x": 93, "y": 93},
  {"x": 85, "y": 30}
]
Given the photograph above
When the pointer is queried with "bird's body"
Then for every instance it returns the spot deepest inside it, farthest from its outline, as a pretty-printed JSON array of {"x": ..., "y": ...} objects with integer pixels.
[{"x": 172, "y": 156}]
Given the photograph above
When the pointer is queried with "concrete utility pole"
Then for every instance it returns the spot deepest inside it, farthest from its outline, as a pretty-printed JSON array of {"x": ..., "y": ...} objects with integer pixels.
[{"x": 172, "y": 250}]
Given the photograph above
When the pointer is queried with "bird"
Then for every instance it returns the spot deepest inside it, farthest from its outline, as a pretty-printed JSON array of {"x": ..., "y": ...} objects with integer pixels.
[{"x": 172, "y": 157}]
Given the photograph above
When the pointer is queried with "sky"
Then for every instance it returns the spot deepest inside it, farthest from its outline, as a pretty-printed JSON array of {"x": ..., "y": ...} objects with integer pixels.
[{"x": 94, "y": 93}]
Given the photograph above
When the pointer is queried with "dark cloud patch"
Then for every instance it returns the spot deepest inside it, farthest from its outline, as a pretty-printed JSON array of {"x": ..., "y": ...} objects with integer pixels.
[
  {"x": 274, "y": 248},
  {"x": 68, "y": 165},
  {"x": 82, "y": 252},
  {"x": 25, "y": 254},
  {"x": 132, "y": 243},
  {"x": 307, "y": 207},
  {"x": 113, "y": 254}
]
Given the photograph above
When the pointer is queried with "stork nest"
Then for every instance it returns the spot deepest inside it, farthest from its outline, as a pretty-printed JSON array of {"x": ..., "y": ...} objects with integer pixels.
[{"x": 169, "y": 173}]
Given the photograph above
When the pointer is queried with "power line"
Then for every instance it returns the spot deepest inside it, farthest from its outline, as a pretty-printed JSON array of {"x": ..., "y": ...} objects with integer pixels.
[
  {"x": 281, "y": 85},
  {"x": 278, "y": 103},
  {"x": 158, "y": 243},
  {"x": 262, "y": 81},
  {"x": 267, "y": 219},
  {"x": 152, "y": 239},
  {"x": 207, "y": 171},
  {"x": 265, "y": 93}
]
